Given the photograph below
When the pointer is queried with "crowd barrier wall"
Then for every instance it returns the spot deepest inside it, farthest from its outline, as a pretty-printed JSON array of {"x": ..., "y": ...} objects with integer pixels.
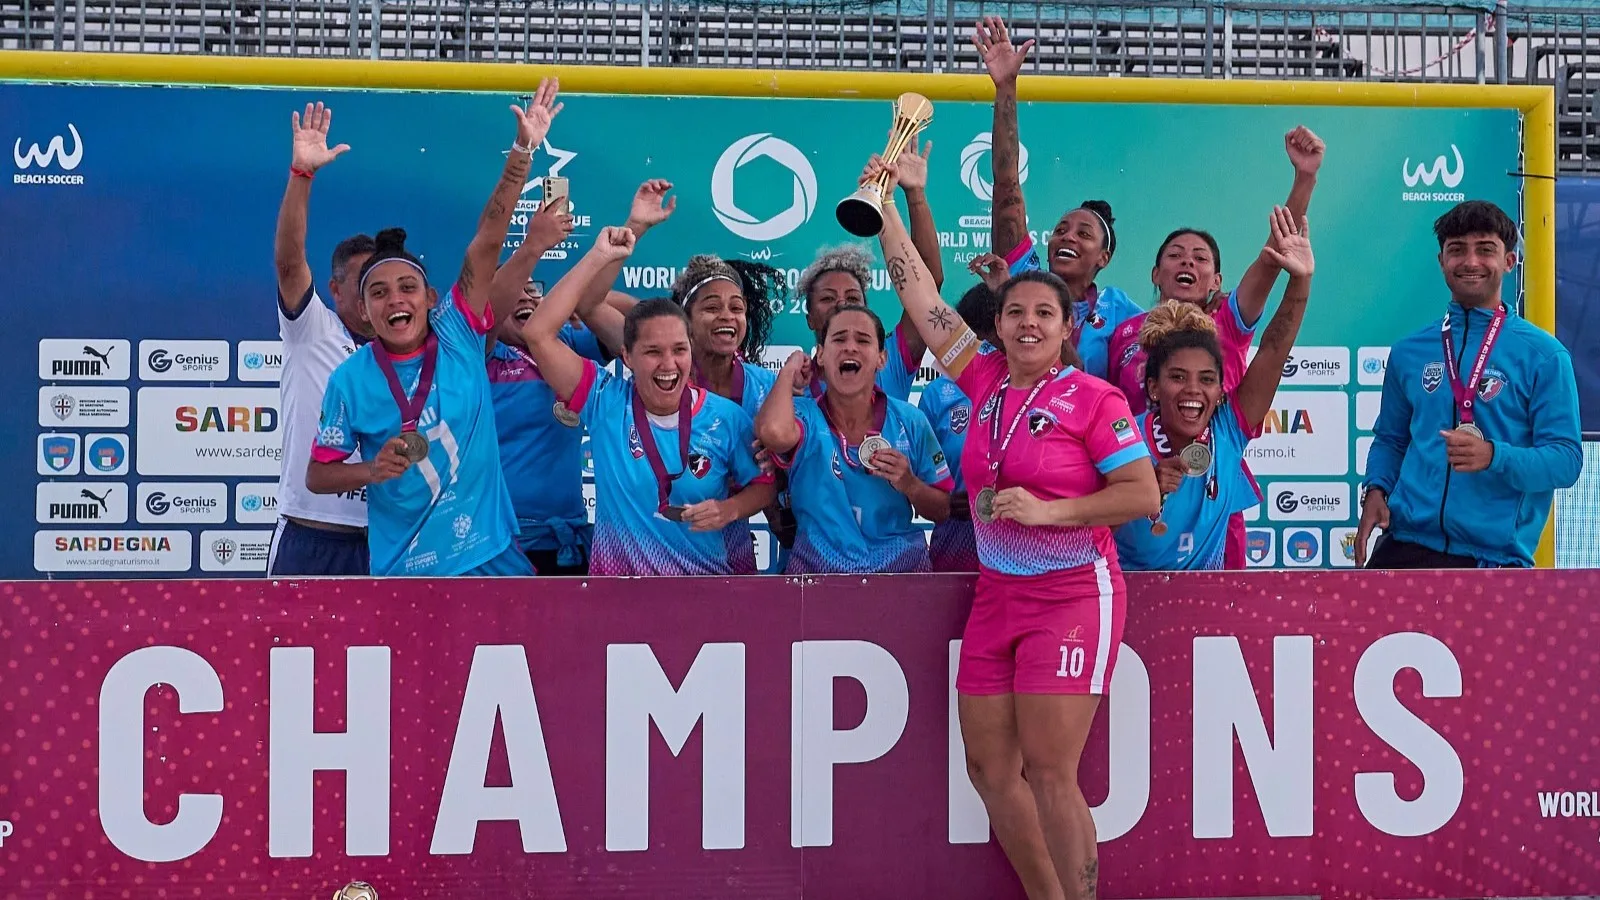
[
  {"x": 1342, "y": 735},
  {"x": 139, "y": 222}
]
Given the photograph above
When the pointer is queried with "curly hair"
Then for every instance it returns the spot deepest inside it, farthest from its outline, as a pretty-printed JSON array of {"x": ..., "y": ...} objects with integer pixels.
[
  {"x": 1172, "y": 326},
  {"x": 763, "y": 288},
  {"x": 852, "y": 258}
]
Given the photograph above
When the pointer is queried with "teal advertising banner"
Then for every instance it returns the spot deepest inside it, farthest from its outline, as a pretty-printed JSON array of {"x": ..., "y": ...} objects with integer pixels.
[{"x": 144, "y": 216}]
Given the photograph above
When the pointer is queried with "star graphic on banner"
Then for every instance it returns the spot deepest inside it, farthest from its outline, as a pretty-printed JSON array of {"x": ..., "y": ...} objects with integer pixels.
[{"x": 559, "y": 159}]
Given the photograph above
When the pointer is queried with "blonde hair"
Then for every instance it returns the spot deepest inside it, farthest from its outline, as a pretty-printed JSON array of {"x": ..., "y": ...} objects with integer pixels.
[
  {"x": 852, "y": 258},
  {"x": 1172, "y": 317}
]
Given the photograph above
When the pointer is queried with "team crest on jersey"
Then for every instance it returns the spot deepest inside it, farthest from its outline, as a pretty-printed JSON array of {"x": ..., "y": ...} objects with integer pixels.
[
  {"x": 1494, "y": 381},
  {"x": 1040, "y": 421},
  {"x": 635, "y": 446},
  {"x": 959, "y": 417},
  {"x": 1432, "y": 376},
  {"x": 699, "y": 464},
  {"x": 988, "y": 408}
]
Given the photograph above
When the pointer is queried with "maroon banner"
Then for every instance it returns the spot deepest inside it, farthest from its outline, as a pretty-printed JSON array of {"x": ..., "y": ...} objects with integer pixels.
[{"x": 1350, "y": 735}]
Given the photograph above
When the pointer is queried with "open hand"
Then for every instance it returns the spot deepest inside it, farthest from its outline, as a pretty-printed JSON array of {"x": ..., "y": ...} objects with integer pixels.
[
  {"x": 1003, "y": 59},
  {"x": 310, "y": 150},
  {"x": 533, "y": 123}
]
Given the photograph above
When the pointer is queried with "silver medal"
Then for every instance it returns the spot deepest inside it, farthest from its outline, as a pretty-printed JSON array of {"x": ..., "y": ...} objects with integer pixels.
[
  {"x": 870, "y": 445},
  {"x": 1196, "y": 459},
  {"x": 985, "y": 505},
  {"x": 1469, "y": 428},
  {"x": 416, "y": 446},
  {"x": 565, "y": 415}
]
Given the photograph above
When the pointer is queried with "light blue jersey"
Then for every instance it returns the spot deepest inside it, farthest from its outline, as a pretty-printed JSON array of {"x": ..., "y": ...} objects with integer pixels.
[
  {"x": 630, "y": 536},
  {"x": 541, "y": 456},
  {"x": 750, "y": 393},
  {"x": 952, "y": 547},
  {"x": 1197, "y": 524},
  {"x": 849, "y": 519},
  {"x": 1111, "y": 308},
  {"x": 449, "y": 514}
]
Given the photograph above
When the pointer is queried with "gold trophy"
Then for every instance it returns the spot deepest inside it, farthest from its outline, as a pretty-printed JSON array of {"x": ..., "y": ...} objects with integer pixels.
[
  {"x": 356, "y": 890},
  {"x": 861, "y": 213}
]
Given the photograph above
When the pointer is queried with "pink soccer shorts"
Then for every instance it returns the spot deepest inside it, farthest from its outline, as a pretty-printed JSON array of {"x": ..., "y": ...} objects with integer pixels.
[{"x": 1053, "y": 635}]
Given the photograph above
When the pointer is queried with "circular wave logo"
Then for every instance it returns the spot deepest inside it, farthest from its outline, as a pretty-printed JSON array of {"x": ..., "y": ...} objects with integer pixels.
[
  {"x": 803, "y": 187},
  {"x": 972, "y": 174}
]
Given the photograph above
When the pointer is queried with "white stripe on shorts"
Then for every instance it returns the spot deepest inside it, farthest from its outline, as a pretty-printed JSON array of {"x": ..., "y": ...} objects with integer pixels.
[
  {"x": 277, "y": 535},
  {"x": 1102, "y": 649}
]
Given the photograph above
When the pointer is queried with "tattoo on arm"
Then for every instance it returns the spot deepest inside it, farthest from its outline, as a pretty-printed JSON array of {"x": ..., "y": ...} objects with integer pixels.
[
  {"x": 465, "y": 279},
  {"x": 1280, "y": 331},
  {"x": 897, "y": 272},
  {"x": 941, "y": 319},
  {"x": 1010, "y": 218}
]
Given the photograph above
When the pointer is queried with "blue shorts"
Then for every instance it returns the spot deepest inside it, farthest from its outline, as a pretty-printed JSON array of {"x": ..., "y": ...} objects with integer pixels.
[
  {"x": 510, "y": 563},
  {"x": 300, "y": 550}
]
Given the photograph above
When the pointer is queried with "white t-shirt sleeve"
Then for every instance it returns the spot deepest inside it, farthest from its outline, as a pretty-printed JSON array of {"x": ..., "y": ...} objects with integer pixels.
[{"x": 307, "y": 325}]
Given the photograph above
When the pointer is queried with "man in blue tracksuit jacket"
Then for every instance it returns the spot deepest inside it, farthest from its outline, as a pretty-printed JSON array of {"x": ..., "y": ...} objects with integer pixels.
[{"x": 1462, "y": 475}]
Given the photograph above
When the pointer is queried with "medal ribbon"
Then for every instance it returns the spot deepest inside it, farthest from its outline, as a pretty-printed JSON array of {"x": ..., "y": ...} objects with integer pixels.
[
  {"x": 1156, "y": 438},
  {"x": 647, "y": 440},
  {"x": 996, "y": 459},
  {"x": 410, "y": 407},
  {"x": 1467, "y": 394},
  {"x": 880, "y": 412},
  {"x": 1092, "y": 296},
  {"x": 738, "y": 380}
]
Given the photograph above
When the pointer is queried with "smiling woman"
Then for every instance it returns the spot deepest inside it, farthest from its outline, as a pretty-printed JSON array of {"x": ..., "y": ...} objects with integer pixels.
[{"x": 415, "y": 403}]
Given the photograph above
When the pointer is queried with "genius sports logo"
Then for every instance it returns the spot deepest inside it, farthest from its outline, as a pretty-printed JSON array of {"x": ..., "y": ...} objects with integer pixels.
[
  {"x": 1309, "y": 501},
  {"x": 802, "y": 188},
  {"x": 974, "y": 165},
  {"x": 1425, "y": 174},
  {"x": 50, "y": 165}
]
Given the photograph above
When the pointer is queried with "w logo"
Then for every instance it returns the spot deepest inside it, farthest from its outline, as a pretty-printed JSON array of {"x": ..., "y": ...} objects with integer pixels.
[
  {"x": 54, "y": 152},
  {"x": 1440, "y": 171}
]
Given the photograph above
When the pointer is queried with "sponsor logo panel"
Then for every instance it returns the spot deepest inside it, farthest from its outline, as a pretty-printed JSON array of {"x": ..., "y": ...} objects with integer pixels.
[
  {"x": 183, "y": 360},
  {"x": 1315, "y": 366},
  {"x": 64, "y": 406},
  {"x": 260, "y": 360},
  {"x": 81, "y": 503},
  {"x": 1260, "y": 548},
  {"x": 112, "y": 551},
  {"x": 209, "y": 431},
  {"x": 255, "y": 504},
  {"x": 60, "y": 454},
  {"x": 54, "y": 164},
  {"x": 179, "y": 503},
  {"x": 1302, "y": 547},
  {"x": 84, "y": 359},
  {"x": 1371, "y": 364},
  {"x": 1368, "y": 405},
  {"x": 1305, "y": 433},
  {"x": 105, "y": 454},
  {"x": 235, "y": 550},
  {"x": 1308, "y": 501}
]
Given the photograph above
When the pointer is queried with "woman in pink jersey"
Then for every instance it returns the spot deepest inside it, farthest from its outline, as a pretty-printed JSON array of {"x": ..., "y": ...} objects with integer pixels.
[
  {"x": 1052, "y": 463},
  {"x": 1188, "y": 268}
]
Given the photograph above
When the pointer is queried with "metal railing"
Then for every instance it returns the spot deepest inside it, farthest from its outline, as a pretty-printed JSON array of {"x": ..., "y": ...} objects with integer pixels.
[{"x": 1176, "y": 38}]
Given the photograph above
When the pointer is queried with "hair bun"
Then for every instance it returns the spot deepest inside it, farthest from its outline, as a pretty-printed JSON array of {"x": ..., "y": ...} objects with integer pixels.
[
  {"x": 390, "y": 240},
  {"x": 1100, "y": 208},
  {"x": 1171, "y": 317}
]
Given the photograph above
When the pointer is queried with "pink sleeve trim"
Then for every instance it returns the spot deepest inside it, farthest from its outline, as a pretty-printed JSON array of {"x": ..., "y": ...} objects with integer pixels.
[
  {"x": 480, "y": 324},
  {"x": 580, "y": 394},
  {"x": 905, "y": 351},
  {"x": 1019, "y": 251},
  {"x": 323, "y": 454},
  {"x": 1251, "y": 432}
]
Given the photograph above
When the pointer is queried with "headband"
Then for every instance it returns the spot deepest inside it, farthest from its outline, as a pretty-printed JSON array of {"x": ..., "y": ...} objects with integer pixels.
[
  {"x": 1111, "y": 236},
  {"x": 688, "y": 296},
  {"x": 410, "y": 262}
]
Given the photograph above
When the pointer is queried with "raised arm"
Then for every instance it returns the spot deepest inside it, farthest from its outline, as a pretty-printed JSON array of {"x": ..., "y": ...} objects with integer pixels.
[
  {"x": 1009, "y": 222},
  {"x": 1305, "y": 151},
  {"x": 1288, "y": 249},
  {"x": 547, "y": 228},
  {"x": 561, "y": 367},
  {"x": 776, "y": 426},
  {"x": 483, "y": 252},
  {"x": 913, "y": 170},
  {"x": 603, "y": 309},
  {"x": 309, "y": 152},
  {"x": 940, "y": 326}
]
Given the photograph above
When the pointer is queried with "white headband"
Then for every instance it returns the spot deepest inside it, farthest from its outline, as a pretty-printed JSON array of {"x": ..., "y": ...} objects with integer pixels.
[
  {"x": 420, "y": 271},
  {"x": 688, "y": 296}
]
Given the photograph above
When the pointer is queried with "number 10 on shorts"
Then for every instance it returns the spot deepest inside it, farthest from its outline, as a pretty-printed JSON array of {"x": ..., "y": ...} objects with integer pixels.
[{"x": 1071, "y": 662}]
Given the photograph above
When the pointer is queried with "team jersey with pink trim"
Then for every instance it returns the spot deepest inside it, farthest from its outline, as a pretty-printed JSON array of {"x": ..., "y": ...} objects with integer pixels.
[
  {"x": 450, "y": 512},
  {"x": 1128, "y": 358},
  {"x": 1077, "y": 429},
  {"x": 851, "y": 520},
  {"x": 630, "y": 535}
]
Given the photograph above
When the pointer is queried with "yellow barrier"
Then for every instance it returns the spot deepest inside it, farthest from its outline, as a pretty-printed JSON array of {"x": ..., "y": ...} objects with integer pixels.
[{"x": 1536, "y": 104}]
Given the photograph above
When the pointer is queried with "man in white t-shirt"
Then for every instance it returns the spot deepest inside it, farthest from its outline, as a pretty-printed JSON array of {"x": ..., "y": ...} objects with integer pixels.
[{"x": 318, "y": 534}]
